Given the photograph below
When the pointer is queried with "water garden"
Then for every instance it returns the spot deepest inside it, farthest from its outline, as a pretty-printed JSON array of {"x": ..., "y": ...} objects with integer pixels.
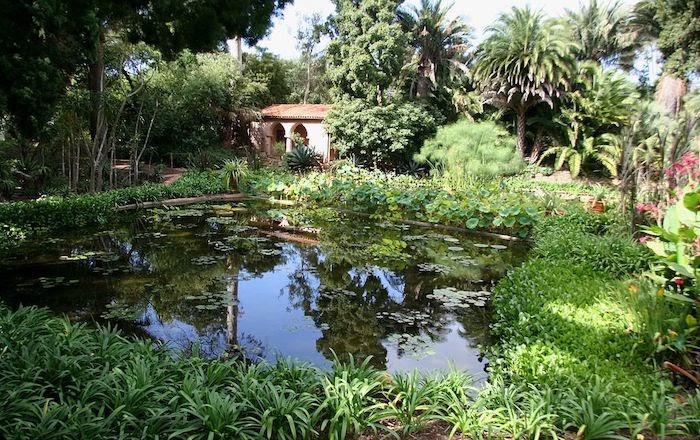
[
  {"x": 349, "y": 220},
  {"x": 337, "y": 304}
]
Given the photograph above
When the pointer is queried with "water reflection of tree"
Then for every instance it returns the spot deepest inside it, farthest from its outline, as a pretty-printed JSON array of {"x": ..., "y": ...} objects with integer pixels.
[
  {"x": 343, "y": 297},
  {"x": 167, "y": 276}
]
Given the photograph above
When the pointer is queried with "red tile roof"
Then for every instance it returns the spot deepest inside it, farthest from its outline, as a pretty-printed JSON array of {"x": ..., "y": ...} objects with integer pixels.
[{"x": 296, "y": 111}]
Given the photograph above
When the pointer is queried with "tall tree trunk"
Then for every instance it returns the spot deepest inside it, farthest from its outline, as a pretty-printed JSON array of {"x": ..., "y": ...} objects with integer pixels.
[
  {"x": 537, "y": 146},
  {"x": 521, "y": 127},
  {"x": 670, "y": 92},
  {"x": 96, "y": 74},
  {"x": 307, "y": 86}
]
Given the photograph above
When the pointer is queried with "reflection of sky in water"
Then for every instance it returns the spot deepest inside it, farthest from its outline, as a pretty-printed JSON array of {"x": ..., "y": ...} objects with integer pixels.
[
  {"x": 282, "y": 305},
  {"x": 283, "y": 330},
  {"x": 452, "y": 350},
  {"x": 180, "y": 335},
  {"x": 267, "y": 314}
]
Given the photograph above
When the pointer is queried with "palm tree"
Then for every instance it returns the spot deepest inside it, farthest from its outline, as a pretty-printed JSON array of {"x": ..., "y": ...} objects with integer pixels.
[
  {"x": 603, "y": 33},
  {"x": 524, "y": 61},
  {"x": 440, "y": 44}
]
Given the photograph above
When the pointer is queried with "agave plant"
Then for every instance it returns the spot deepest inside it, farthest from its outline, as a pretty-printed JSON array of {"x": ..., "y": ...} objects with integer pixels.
[
  {"x": 302, "y": 159},
  {"x": 233, "y": 171}
]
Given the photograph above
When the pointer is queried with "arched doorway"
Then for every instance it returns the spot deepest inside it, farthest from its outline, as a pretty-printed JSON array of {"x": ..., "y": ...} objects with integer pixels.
[
  {"x": 278, "y": 133},
  {"x": 279, "y": 138},
  {"x": 301, "y": 131}
]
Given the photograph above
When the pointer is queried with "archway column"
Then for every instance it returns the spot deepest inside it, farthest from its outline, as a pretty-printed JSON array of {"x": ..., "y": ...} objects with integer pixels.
[{"x": 288, "y": 133}]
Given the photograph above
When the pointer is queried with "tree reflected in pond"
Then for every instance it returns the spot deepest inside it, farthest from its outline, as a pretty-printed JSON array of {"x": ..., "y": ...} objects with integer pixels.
[{"x": 238, "y": 281}]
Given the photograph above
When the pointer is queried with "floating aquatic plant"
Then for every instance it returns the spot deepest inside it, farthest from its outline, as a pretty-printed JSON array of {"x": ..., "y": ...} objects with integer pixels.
[
  {"x": 150, "y": 235},
  {"x": 207, "y": 260},
  {"x": 407, "y": 317},
  {"x": 124, "y": 312},
  {"x": 49, "y": 283},
  {"x": 413, "y": 346},
  {"x": 434, "y": 267},
  {"x": 453, "y": 298}
]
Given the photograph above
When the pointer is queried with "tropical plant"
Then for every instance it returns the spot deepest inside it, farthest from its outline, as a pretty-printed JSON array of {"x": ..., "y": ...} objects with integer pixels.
[
  {"x": 602, "y": 33},
  {"x": 525, "y": 60},
  {"x": 7, "y": 180},
  {"x": 233, "y": 171},
  {"x": 675, "y": 242},
  {"x": 440, "y": 45},
  {"x": 301, "y": 159},
  {"x": 591, "y": 116},
  {"x": 476, "y": 149},
  {"x": 603, "y": 150}
]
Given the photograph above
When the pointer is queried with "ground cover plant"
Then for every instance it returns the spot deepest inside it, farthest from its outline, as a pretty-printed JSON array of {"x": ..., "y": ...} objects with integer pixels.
[
  {"x": 18, "y": 220},
  {"x": 395, "y": 197},
  {"x": 62, "y": 380}
]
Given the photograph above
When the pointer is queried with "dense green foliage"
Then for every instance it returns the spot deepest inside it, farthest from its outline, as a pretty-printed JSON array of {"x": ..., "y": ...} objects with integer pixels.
[
  {"x": 472, "y": 149},
  {"x": 567, "y": 319},
  {"x": 674, "y": 25},
  {"x": 21, "y": 219},
  {"x": 366, "y": 56},
  {"x": 201, "y": 102},
  {"x": 61, "y": 380},
  {"x": 59, "y": 39},
  {"x": 384, "y": 136},
  {"x": 265, "y": 68},
  {"x": 592, "y": 115},
  {"x": 396, "y": 197}
]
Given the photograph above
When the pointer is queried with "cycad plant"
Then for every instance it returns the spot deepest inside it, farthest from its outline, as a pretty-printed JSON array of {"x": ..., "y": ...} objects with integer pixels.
[
  {"x": 590, "y": 118},
  {"x": 233, "y": 171}
]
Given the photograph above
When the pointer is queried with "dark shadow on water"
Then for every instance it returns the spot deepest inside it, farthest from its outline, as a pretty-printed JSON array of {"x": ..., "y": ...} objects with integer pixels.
[{"x": 235, "y": 282}]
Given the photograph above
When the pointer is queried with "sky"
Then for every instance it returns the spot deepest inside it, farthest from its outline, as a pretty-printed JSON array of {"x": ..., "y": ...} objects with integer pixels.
[{"x": 477, "y": 13}]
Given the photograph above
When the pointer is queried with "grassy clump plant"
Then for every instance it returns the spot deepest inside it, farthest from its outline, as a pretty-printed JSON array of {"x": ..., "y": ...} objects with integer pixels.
[{"x": 62, "y": 380}]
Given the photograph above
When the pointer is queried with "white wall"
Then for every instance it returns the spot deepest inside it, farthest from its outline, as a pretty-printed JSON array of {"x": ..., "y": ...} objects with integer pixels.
[{"x": 263, "y": 136}]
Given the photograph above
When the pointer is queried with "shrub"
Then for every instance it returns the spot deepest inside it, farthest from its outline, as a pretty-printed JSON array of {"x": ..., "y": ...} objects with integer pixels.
[
  {"x": 21, "y": 219},
  {"x": 472, "y": 149},
  {"x": 386, "y": 136},
  {"x": 232, "y": 172}
]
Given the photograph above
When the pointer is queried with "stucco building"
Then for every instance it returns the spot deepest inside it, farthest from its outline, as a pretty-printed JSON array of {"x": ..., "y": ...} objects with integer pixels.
[{"x": 281, "y": 121}]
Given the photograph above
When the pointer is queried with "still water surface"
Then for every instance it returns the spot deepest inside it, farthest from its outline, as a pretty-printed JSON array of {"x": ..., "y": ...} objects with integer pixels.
[{"x": 230, "y": 278}]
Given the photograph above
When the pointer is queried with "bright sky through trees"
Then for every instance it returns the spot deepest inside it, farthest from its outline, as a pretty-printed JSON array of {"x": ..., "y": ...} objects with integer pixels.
[{"x": 476, "y": 13}]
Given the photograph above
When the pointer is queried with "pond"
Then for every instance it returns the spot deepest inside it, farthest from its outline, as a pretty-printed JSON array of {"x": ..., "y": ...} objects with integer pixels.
[{"x": 238, "y": 278}]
